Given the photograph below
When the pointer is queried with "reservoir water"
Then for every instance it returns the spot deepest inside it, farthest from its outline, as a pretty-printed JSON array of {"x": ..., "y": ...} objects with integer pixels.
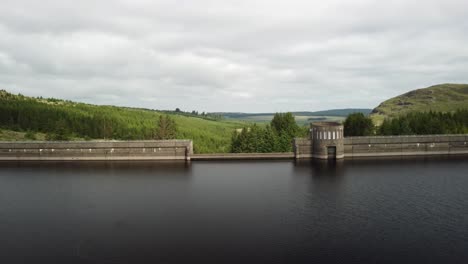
[{"x": 362, "y": 211}]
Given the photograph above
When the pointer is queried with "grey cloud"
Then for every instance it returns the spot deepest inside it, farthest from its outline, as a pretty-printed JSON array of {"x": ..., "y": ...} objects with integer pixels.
[{"x": 253, "y": 55}]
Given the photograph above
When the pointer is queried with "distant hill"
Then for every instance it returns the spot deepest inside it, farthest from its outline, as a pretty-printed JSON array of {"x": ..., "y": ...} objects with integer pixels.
[
  {"x": 302, "y": 118},
  {"x": 440, "y": 98},
  {"x": 333, "y": 112},
  {"x": 336, "y": 112}
]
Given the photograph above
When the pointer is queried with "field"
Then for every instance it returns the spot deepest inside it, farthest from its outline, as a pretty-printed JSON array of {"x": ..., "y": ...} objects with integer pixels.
[{"x": 303, "y": 118}]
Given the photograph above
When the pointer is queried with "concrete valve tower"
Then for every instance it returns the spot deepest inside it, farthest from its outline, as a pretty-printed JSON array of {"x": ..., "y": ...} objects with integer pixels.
[{"x": 327, "y": 140}]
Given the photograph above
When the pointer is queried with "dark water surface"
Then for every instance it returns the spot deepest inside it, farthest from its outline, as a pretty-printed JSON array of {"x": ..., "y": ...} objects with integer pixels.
[{"x": 380, "y": 211}]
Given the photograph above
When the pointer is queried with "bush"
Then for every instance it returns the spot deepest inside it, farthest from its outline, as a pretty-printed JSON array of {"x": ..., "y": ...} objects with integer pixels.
[
  {"x": 166, "y": 128},
  {"x": 57, "y": 137},
  {"x": 30, "y": 135}
]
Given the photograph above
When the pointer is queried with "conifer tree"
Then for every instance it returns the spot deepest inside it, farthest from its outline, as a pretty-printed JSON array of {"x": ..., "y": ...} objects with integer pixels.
[
  {"x": 357, "y": 124},
  {"x": 166, "y": 128}
]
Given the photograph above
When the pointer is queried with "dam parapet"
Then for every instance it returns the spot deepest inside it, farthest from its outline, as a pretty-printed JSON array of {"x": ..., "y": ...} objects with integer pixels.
[
  {"x": 406, "y": 145},
  {"x": 380, "y": 146},
  {"x": 97, "y": 150}
]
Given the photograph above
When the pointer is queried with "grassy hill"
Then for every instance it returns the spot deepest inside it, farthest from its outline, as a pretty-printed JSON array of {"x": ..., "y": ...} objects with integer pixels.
[
  {"x": 38, "y": 116},
  {"x": 439, "y": 98}
]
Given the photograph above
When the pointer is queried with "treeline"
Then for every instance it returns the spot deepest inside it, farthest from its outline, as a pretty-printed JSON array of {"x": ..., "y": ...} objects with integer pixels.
[
  {"x": 414, "y": 123},
  {"x": 194, "y": 113},
  {"x": 426, "y": 123},
  {"x": 358, "y": 124},
  {"x": 275, "y": 137}
]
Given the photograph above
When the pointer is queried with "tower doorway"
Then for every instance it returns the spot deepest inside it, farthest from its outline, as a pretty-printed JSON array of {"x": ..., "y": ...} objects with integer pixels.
[{"x": 331, "y": 151}]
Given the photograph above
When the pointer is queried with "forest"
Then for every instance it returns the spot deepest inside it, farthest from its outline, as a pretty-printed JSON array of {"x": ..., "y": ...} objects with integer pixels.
[
  {"x": 426, "y": 123},
  {"x": 274, "y": 137},
  {"x": 77, "y": 119},
  {"x": 413, "y": 123},
  {"x": 63, "y": 120}
]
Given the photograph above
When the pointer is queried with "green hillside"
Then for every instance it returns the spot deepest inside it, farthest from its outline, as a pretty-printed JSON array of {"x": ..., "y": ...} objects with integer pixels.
[
  {"x": 438, "y": 98},
  {"x": 38, "y": 116}
]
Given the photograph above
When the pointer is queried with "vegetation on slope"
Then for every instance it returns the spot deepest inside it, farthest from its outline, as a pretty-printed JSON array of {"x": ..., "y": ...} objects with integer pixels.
[
  {"x": 47, "y": 116},
  {"x": 275, "y": 137},
  {"x": 10, "y": 135},
  {"x": 357, "y": 124},
  {"x": 426, "y": 123},
  {"x": 438, "y": 98},
  {"x": 413, "y": 123}
]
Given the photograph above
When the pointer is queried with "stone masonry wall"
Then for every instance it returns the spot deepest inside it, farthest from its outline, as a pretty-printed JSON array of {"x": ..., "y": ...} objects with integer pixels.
[
  {"x": 302, "y": 148},
  {"x": 393, "y": 146},
  {"x": 97, "y": 150},
  {"x": 406, "y": 145}
]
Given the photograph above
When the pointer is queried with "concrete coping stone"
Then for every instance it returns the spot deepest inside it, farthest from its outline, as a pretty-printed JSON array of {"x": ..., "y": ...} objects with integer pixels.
[
  {"x": 97, "y": 144},
  {"x": 410, "y": 136},
  {"x": 326, "y": 124},
  {"x": 103, "y": 141}
]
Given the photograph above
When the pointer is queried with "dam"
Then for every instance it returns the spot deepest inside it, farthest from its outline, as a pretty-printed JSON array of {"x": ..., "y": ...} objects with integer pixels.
[
  {"x": 326, "y": 140},
  {"x": 97, "y": 150}
]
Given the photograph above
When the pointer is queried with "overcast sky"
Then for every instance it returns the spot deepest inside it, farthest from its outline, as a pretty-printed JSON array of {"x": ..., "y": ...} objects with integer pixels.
[{"x": 240, "y": 55}]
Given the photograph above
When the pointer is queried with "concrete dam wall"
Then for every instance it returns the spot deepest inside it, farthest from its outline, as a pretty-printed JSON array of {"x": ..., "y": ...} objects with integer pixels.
[
  {"x": 406, "y": 145},
  {"x": 381, "y": 146},
  {"x": 326, "y": 141},
  {"x": 97, "y": 150}
]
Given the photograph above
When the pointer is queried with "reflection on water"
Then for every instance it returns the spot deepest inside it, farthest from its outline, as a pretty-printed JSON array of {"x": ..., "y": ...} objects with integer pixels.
[
  {"x": 114, "y": 166},
  {"x": 321, "y": 168},
  {"x": 352, "y": 211}
]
